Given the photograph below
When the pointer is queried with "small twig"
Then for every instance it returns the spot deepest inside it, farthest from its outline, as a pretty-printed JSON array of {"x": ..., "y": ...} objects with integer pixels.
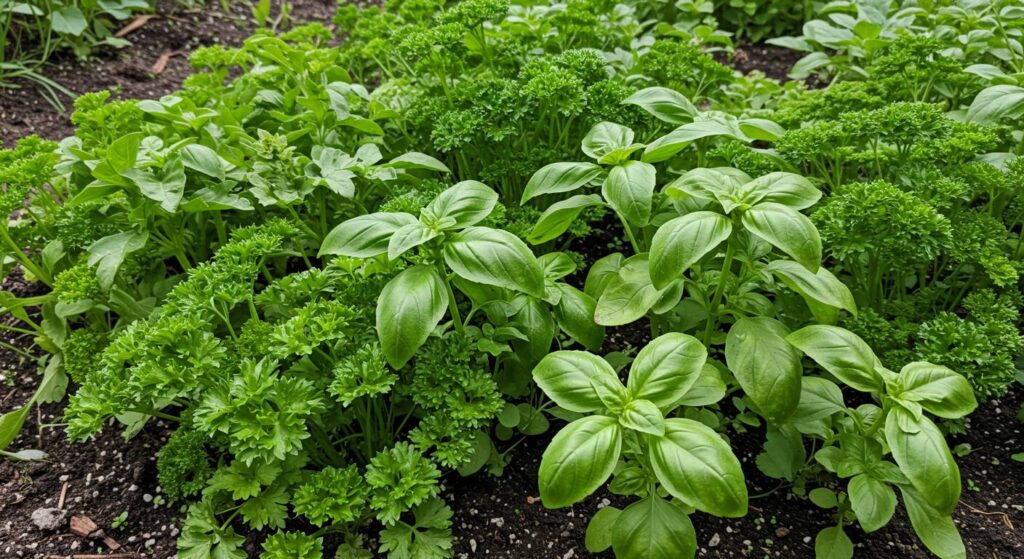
[
  {"x": 1005, "y": 517},
  {"x": 134, "y": 24},
  {"x": 63, "y": 495}
]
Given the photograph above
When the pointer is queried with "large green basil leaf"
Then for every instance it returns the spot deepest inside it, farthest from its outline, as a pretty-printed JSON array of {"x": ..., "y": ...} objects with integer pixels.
[
  {"x": 467, "y": 202},
  {"x": 559, "y": 217},
  {"x": 841, "y": 353},
  {"x": 665, "y": 104},
  {"x": 683, "y": 241},
  {"x": 819, "y": 398},
  {"x": 495, "y": 257},
  {"x": 602, "y": 273},
  {"x": 409, "y": 308},
  {"x": 576, "y": 380},
  {"x": 924, "y": 458},
  {"x": 654, "y": 528},
  {"x": 937, "y": 531},
  {"x": 696, "y": 466},
  {"x": 666, "y": 368},
  {"x": 165, "y": 185},
  {"x": 996, "y": 102},
  {"x": 579, "y": 459},
  {"x": 821, "y": 286},
  {"x": 575, "y": 316},
  {"x": 629, "y": 190},
  {"x": 108, "y": 253},
  {"x": 937, "y": 389},
  {"x": 788, "y": 189},
  {"x": 788, "y": 230},
  {"x": 873, "y": 501},
  {"x": 564, "y": 176},
  {"x": 766, "y": 365},
  {"x": 365, "y": 236},
  {"x": 708, "y": 389}
]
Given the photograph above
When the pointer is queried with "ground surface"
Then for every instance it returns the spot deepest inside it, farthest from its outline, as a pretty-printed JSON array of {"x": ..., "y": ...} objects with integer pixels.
[{"x": 498, "y": 518}]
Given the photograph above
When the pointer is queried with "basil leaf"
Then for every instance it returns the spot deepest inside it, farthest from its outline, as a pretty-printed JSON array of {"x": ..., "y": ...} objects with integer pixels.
[
  {"x": 788, "y": 189},
  {"x": 833, "y": 543},
  {"x": 564, "y": 176},
  {"x": 575, "y": 316},
  {"x": 821, "y": 286},
  {"x": 683, "y": 241},
  {"x": 937, "y": 531},
  {"x": 924, "y": 458},
  {"x": 365, "y": 236},
  {"x": 873, "y": 501},
  {"x": 495, "y": 257},
  {"x": 841, "y": 353},
  {"x": 559, "y": 217},
  {"x": 629, "y": 190},
  {"x": 766, "y": 366},
  {"x": 788, "y": 230},
  {"x": 627, "y": 295},
  {"x": 995, "y": 102},
  {"x": 599, "y": 531},
  {"x": 409, "y": 308},
  {"x": 644, "y": 417},
  {"x": 937, "y": 389},
  {"x": 579, "y": 459},
  {"x": 654, "y": 528},
  {"x": 408, "y": 237},
  {"x": 667, "y": 105},
  {"x": 666, "y": 368},
  {"x": 696, "y": 466},
  {"x": 467, "y": 203},
  {"x": 575, "y": 380},
  {"x": 606, "y": 137}
]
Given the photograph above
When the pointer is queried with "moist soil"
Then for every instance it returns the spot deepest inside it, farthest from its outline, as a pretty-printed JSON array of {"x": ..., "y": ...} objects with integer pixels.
[
  {"x": 129, "y": 73},
  {"x": 109, "y": 478}
]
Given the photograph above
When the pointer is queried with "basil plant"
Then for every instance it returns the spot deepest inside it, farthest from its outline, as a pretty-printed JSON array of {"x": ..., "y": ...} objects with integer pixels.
[
  {"x": 858, "y": 442},
  {"x": 673, "y": 465}
]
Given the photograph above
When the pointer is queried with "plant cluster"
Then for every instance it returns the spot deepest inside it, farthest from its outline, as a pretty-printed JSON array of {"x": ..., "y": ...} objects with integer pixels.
[{"x": 340, "y": 293}]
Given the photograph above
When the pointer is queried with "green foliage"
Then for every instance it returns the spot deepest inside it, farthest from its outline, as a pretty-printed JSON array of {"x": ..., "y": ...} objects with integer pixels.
[{"x": 183, "y": 464}]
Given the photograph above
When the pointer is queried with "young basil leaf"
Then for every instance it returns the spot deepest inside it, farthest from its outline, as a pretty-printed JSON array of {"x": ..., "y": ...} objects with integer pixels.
[
  {"x": 666, "y": 368},
  {"x": 629, "y": 190},
  {"x": 559, "y": 217},
  {"x": 761, "y": 129},
  {"x": 599, "y": 530},
  {"x": 788, "y": 230},
  {"x": 873, "y": 501},
  {"x": 697, "y": 467},
  {"x": 683, "y": 241},
  {"x": 205, "y": 160},
  {"x": 579, "y": 459},
  {"x": 165, "y": 185},
  {"x": 643, "y": 416},
  {"x": 788, "y": 189},
  {"x": 766, "y": 365},
  {"x": 564, "y": 176},
  {"x": 937, "y": 389},
  {"x": 409, "y": 308},
  {"x": 408, "y": 237},
  {"x": 571, "y": 379},
  {"x": 667, "y": 105},
  {"x": 841, "y": 353},
  {"x": 654, "y": 528},
  {"x": 708, "y": 389},
  {"x": 575, "y": 316},
  {"x": 833, "y": 543},
  {"x": 937, "y": 531},
  {"x": 495, "y": 257},
  {"x": 924, "y": 458},
  {"x": 365, "y": 236},
  {"x": 819, "y": 398},
  {"x": 556, "y": 265},
  {"x": 467, "y": 203},
  {"x": 606, "y": 137}
]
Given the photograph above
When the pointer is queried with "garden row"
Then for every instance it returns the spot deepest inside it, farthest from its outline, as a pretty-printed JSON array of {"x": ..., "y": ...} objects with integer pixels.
[{"x": 344, "y": 270}]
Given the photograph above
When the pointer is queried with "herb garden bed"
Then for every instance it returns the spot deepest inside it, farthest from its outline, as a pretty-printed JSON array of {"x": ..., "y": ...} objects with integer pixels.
[{"x": 461, "y": 278}]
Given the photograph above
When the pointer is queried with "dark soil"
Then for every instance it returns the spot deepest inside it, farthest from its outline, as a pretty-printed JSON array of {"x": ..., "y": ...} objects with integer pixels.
[
  {"x": 494, "y": 517},
  {"x": 129, "y": 72},
  {"x": 773, "y": 61}
]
